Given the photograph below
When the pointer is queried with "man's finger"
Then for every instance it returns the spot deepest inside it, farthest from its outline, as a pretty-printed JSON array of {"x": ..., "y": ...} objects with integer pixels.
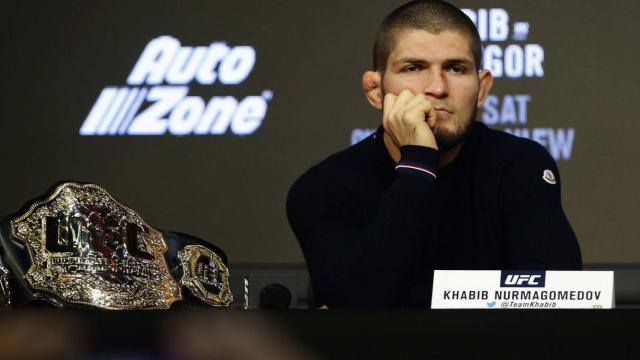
[
  {"x": 432, "y": 117},
  {"x": 404, "y": 97},
  {"x": 421, "y": 107},
  {"x": 389, "y": 100},
  {"x": 421, "y": 104}
]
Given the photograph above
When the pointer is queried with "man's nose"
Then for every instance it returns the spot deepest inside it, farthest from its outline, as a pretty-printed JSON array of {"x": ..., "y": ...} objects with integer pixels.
[{"x": 436, "y": 85}]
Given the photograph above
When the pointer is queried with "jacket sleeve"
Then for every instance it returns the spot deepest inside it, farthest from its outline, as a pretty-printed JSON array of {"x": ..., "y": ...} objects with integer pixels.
[
  {"x": 359, "y": 265},
  {"x": 538, "y": 233}
]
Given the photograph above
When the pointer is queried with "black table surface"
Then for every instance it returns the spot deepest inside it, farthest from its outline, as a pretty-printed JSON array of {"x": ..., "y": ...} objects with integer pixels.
[{"x": 330, "y": 334}]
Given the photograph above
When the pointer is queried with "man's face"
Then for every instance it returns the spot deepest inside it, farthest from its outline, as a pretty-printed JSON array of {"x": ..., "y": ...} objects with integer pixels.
[{"x": 440, "y": 66}]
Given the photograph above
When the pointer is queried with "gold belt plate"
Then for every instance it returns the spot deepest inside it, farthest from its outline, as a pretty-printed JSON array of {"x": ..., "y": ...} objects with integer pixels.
[
  {"x": 205, "y": 275},
  {"x": 87, "y": 248}
]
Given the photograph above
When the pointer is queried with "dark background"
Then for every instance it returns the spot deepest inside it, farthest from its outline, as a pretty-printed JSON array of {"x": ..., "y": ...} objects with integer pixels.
[{"x": 231, "y": 190}]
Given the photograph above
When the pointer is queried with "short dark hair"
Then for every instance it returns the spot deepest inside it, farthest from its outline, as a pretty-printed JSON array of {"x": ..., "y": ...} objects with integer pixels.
[{"x": 432, "y": 16}]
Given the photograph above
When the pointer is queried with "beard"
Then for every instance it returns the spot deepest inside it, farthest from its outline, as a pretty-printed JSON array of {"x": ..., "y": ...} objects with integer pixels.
[{"x": 448, "y": 139}]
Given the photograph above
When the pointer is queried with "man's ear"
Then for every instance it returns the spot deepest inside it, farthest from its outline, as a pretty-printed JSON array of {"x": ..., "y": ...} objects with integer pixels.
[
  {"x": 486, "y": 82},
  {"x": 371, "y": 83}
]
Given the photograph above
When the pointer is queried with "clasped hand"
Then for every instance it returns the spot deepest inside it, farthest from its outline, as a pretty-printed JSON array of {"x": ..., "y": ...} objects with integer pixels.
[{"x": 409, "y": 119}]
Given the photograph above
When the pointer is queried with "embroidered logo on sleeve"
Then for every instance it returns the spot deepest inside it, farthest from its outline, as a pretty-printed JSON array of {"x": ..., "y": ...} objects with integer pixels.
[{"x": 548, "y": 176}]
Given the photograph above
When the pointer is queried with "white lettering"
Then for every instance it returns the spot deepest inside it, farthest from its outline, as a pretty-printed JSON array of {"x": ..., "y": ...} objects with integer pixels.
[
  {"x": 520, "y": 31},
  {"x": 534, "y": 54},
  {"x": 142, "y": 95},
  {"x": 217, "y": 116},
  {"x": 151, "y": 121},
  {"x": 540, "y": 136},
  {"x": 492, "y": 60},
  {"x": 154, "y": 61},
  {"x": 514, "y": 61},
  {"x": 508, "y": 113},
  {"x": 522, "y": 279},
  {"x": 249, "y": 115},
  {"x": 188, "y": 114},
  {"x": 511, "y": 110},
  {"x": 185, "y": 115},
  {"x": 511, "y": 279},
  {"x": 492, "y": 24},
  {"x": 113, "y": 111},
  {"x": 124, "y": 110},
  {"x": 185, "y": 64},
  {"x": 164, "y": 59},
  {"x": 237, "y": 65},
  {"x": 522, "y": 101},
  {"x": 482, "y": 24},
  {"x": 91, "y": 123},
  {"x": 167, "y": 108},
  {"x": 490, "y": 115},
  {"x": 499, "y": 25},
  {"x": 206, "y": 74},
  {"x": 561, "y": 143}
]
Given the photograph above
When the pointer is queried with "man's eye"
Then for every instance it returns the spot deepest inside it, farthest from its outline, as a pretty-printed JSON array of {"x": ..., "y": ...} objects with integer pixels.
[
  {"x": 411, "y": 68},
  {"x": 457, "y": 69}
]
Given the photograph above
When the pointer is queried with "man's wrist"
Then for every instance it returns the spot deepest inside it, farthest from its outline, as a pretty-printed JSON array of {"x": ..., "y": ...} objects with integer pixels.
[{"x": 420, "y": 160}]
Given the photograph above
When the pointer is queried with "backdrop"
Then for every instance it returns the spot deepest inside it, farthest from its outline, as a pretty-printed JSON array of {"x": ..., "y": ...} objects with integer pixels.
[{"x": 200, "y": 114}]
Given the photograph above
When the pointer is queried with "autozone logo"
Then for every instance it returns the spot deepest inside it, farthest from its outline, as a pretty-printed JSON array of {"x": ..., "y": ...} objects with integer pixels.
[
  {"x": 156, "y": 100},
  {"x": 522, "y": 279}
]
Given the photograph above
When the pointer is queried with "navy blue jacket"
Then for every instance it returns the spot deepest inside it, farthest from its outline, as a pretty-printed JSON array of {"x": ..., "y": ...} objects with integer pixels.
[{"x": 372, "y": 236}]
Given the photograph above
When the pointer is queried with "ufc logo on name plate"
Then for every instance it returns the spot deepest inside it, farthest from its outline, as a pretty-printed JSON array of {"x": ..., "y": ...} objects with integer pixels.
[{"x": 522, "y": 279}]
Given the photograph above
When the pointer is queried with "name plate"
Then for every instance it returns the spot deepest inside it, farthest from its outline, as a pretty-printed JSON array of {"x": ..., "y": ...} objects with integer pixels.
[{"x": 515, "y": 289}]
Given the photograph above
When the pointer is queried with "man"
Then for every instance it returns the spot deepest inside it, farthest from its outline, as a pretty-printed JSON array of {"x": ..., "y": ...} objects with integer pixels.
[{"x": 432, "y": 188}]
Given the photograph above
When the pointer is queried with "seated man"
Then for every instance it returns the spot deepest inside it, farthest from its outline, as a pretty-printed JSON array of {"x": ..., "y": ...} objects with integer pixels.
[{"x": 432, "y": 188}]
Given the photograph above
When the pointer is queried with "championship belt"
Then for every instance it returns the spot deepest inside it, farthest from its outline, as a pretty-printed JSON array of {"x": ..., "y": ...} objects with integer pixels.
[
  {"x": 87, "y": 248},
  {"x": 81, "y": 247}
]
